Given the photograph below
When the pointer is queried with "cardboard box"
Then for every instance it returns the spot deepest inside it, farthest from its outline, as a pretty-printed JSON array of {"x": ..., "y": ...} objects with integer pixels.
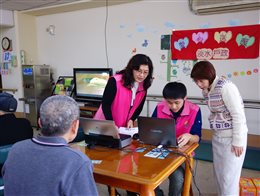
[
  {"x": 247, "y": 187},
  {"x": 256, "y": 182}
]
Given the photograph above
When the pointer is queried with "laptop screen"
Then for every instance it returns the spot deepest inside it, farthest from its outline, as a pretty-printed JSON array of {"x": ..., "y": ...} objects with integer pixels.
[
  {"x": 91, "y": 126},
  {"x": 157, "y": 131}
]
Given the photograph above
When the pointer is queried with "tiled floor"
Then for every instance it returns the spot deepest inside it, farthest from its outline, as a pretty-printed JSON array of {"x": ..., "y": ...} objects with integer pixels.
[{"x": 203, "y": 176}]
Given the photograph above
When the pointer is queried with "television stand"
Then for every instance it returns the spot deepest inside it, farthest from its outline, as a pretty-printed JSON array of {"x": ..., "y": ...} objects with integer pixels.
[
  {"x": 92, "y": 104},
  {"x": 88, "y": 108},
  {"x": 88, "y": 111}
]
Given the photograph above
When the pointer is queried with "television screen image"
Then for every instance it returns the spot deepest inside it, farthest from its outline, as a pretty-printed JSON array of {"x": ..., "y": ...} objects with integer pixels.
[
  {"x": 90, "y": 83},
  {"x": 93, "y": 84}
]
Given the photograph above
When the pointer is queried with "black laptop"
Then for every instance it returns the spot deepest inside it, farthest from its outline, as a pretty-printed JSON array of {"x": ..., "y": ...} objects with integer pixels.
[
  {"x": 157, "y": 131},
  {"x": 104, "y": 133}
]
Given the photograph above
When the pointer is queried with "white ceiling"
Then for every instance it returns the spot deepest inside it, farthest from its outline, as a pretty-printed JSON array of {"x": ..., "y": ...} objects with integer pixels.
[
  {"x": 21, "y": 5},
  {"x": 44, "y": 7}
]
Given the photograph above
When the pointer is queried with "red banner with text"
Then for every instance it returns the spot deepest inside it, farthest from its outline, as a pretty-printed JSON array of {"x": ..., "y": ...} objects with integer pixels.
[{"x": 240, "y": 42}]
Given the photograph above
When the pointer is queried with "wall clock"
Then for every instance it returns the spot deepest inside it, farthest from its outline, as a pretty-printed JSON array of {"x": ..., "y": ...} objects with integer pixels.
[{"x": 6, "y": 43}]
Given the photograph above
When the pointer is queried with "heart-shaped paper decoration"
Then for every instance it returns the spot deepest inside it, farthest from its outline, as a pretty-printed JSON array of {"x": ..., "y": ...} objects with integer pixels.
[
  {"x": 223, "y": 36},
  {"x": 245, "y": 40},
  {"x": 181, "y": 43},
  {"x": 200, "y": 37}
]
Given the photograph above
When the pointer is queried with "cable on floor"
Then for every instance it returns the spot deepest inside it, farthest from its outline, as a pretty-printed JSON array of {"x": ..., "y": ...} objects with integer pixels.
[{"x": 193, "y": 173}]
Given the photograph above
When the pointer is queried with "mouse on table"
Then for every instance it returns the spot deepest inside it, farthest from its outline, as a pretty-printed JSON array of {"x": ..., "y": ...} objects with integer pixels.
[{"x": 136, "y": 136}]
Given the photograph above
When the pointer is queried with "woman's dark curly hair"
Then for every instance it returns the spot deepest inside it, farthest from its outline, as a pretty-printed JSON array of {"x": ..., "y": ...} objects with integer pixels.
[{"x": 134, "y": 64}]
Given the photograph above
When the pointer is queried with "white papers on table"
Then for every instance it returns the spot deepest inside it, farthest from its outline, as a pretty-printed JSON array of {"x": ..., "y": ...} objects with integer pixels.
[{"x": 128, "y": 131}]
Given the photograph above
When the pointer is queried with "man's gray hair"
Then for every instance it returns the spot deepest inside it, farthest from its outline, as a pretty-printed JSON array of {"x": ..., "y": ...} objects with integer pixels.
[{"x": 57, "y": 114}]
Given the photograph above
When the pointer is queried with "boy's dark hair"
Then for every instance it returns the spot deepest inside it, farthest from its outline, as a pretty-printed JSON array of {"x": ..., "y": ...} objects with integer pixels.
[{"x": 174, "y": 90}]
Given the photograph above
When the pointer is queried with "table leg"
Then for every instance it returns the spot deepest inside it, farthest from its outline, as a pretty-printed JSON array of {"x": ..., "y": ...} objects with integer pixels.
[
  {"x": 187, "y": 177},
  {"x": 146, "y": 191},
  {"x": 112, "y": 191}
]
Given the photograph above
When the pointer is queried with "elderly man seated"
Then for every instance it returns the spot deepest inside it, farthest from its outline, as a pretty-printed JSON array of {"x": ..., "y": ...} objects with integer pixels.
[{"x": 46, "y": 165}]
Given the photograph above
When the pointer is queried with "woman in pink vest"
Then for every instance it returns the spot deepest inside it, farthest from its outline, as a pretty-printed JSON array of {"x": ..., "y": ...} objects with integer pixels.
[
  {"x": 187, "y": 117},
  {"x": 125, "y": 92}
]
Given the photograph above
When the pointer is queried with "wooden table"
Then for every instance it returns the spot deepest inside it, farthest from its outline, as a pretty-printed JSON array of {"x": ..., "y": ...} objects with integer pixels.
[{"x": 130, "y": 170}]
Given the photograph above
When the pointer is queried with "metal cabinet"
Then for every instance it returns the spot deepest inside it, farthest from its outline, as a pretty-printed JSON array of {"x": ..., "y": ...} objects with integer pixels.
[{"x": 37, "y": 87}]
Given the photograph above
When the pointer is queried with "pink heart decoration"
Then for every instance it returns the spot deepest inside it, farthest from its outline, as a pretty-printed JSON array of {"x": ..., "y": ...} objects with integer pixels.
[{"x": 200, "y": 37}]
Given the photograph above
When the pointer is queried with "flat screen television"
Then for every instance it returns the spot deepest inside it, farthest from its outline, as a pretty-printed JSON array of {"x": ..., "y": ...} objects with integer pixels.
[{"x": 90, "y": 83}]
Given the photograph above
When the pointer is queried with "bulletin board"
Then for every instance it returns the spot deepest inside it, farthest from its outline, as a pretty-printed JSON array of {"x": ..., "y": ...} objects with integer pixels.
[
  {"x": 237, "y": 42},
  {"x": 234, "y": 52}
]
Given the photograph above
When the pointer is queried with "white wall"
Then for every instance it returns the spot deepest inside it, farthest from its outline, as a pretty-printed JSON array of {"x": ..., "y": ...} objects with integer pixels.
[
  {"x": 79, "y": 39},
  {"x": 13, "y": 79},
  {"x": 23, "y": 36},
  {"x": 27, "y": 37}
]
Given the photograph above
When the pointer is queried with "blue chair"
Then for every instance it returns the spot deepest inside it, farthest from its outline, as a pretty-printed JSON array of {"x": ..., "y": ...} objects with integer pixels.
[{"x": 4, "y": 150}]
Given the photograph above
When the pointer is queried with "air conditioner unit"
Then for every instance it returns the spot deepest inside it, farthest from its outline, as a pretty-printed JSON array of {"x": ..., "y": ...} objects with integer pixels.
[{"x": 203, "y": 7}]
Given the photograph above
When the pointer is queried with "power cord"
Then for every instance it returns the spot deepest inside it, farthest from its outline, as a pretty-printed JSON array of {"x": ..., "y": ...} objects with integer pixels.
[
  {"x": 105, "y": 31},
  {"x": 165, "y": 151},
  {"x": 193, "y": 173}
]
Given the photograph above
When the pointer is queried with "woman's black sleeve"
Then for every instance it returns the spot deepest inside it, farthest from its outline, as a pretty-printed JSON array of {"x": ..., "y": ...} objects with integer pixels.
[
  {"x": 138, "y": 109},
  {"x": 108, "y": 98}
]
